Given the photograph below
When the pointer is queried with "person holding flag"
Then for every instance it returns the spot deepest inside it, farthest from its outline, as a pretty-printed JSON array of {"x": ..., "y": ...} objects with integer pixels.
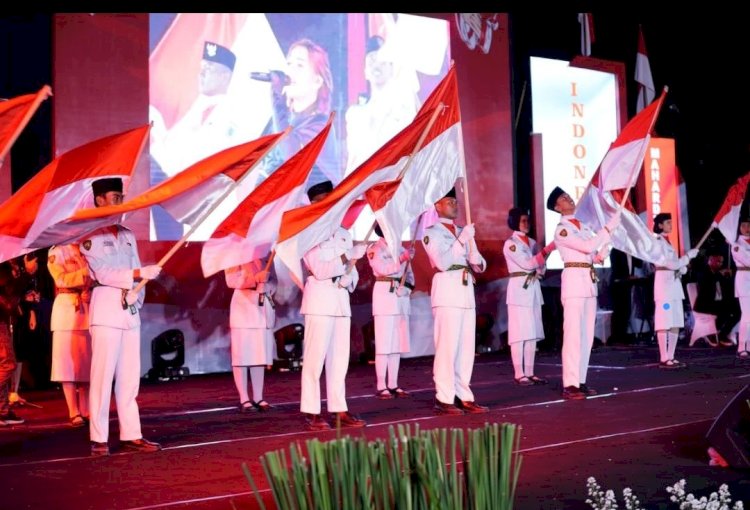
[
  {"x": 580, "y": 248},
  {"x": 115, "y": 326},
  {"x": 251, "y": 321},
  {"x": 390, "y": 310},
  {"x": 741, "y": 256},
  {"x": 325, "y": 305},
  {"x": 668, "y": 294},
  {"x": 524, "y": 296},
  {"x": 453, "y": 252}
]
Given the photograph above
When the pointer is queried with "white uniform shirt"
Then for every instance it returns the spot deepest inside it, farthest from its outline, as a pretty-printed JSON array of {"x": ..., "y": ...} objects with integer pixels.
[
  {"x": 453, "y": 288},
  {"x": 741, "y": 256},
  {"x": 519, "y": 257},
  {"x": 578, "y": 245},
  {"x": 324, "y": 293},
  {"x": 111, "y": 261},
  {"x": 385, "y": 301},
  {"x": 245, "y": 310},
  {"x": 667, "y": 282},
  {"x": 69, "y": 270}
]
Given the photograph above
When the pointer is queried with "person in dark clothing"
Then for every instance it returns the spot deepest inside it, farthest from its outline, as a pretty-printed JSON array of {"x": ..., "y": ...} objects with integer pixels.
[
  {"x": 716, "y": 294},
  {"x": 9, "y": 312}
]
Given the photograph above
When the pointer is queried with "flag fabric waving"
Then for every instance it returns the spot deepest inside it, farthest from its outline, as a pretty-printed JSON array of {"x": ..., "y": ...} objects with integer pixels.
[
  {"x": 15, "y": 114},
  {"x": 63, "y": 187},
  {"x": 646, "y": 90},
  {"x": 251, "y": 229},
  {"x": 187, "y": 196},
  {"x": 433, "y": 171},
  {"x": 727, "y": 220},
  {"x": 586, "y": 19},
  {"x": 303, "y": 228},
  {"x": 616, "y": 173}
]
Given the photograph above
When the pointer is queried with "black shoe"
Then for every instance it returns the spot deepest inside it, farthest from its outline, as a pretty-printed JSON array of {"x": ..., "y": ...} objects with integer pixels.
[
  {"x": 262, "y": 406},
  {"x": 670, "y": 364},
  {"x": 384, "y": 394},
  {"x": 442, "y": 408},
  {"x": 524, "y": 381},
  {"x": 99, "y": 449},
  {"x": 247, "y": 407},
  {"x": 538, "y": 380},
  {"x": 573, "y": 393},
  {"x": 140, "y": 445},
  {"x": 399, "y": 392},
  {"x": 347, "y": 419},
  {"x": 470, "y": 407},
  {"x": 315, "y": 422},
  {"x": 589, "y": 392},
  {"x": 10, "y": 418}
]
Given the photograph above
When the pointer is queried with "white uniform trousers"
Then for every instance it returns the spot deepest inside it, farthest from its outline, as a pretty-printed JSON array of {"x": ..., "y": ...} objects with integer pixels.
[
  {"x": 391, "y": 334},
  {"x": 326, "y": 343},
  {"x": 743, "y": 337},
  {"x": 455, "y": 330},
  {"x": 579, "y": 315},
  {"x": 116, "y": 353}
]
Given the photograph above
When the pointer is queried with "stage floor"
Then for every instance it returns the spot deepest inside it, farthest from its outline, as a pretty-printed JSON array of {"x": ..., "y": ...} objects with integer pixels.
[{"x": 646, "y": 430}]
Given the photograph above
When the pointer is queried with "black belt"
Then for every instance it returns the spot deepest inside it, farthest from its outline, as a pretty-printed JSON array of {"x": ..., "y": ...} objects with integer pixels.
[
  {"x": 393, "y": 280},
  {"x": 529, "y": 277},
  {"x": 583, "y": 265},
  {"x": 465, "y": 269}
]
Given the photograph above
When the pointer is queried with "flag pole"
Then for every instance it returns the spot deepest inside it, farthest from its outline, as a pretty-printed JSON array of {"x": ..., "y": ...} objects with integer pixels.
[
  {"x": 634, "y": 173},
  {"x": 705, "y": 236},
  {"x": 210, "y": 210},
  {"x": 438, "y": 110},
  {"x": 413, "y": 243},
  {"x": 43, "y": 94}
]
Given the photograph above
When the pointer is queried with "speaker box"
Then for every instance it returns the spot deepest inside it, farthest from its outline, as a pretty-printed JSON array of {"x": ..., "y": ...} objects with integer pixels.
[{"x": 730, "y": 432}]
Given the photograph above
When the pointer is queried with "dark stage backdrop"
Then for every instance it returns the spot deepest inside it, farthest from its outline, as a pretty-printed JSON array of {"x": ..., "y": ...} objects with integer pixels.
[{"x": 101, "y": 87}]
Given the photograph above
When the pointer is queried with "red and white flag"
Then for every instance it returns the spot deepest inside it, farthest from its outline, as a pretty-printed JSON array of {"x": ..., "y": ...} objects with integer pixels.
[
  {"x": 305, "y": 227},
  {"x": 617, "y": 172},
  {"x": 250, "y": 231},
  {"x": 727, "y": 220},
  {"x": 646, "y": 90},
  {"x": 15, "y": 114},
  {"x": 187, "y": 196},
  {"x": 586, "y": 19},
  {"x": 63, "y": 187},
  {"x": 432, "y": 173}
]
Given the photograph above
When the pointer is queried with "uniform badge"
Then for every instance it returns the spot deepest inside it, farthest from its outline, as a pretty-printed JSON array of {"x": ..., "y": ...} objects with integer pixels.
[
  {"x": 512, "y": 247},
  {"x": 426, "y": 240},
  {"x": 736, "y": 248},
  {"x": 87, "y": 244},
  {"x": 563, "y": 233},
  {"x": 371, "y": 254},
  {"x": 51, "y": 258}
]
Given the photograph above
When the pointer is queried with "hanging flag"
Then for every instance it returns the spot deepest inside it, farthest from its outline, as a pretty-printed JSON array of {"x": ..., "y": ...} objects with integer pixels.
[
  {"x": 250, "y": 231},
  {"x": 617, "y": 172},
  {"x": 187, "y": 196},
  {"x": 586, "y": 19},
  {"x": 727, "y": 220},
  {"x": 646, "y": 90},
  {"x": 15, "y": 114},
  {"x": 432, "y": 173},
  {"x": 63, "y": 187},
  {"x": 305, "y": 227}
]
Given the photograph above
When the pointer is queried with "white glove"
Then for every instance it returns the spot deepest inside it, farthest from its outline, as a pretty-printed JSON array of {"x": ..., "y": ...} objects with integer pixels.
[
  {"x": 261, "y": 276},
  {"x": 692, "y": 253},
  {"x": 467, "y": 234},
  {"x": 683, "y": 269},
  {"x": 131, "y": 297},
  {"x": 357, "y": 251},
  {"x": 474, "y": 257},
  {"x": 598, "y": 259},
  {"x": 613, "y": 222},
  {"x": 345, "y": 280},
  {"x": 402, "y": 291},
  {"x": 150, "y": 272}
]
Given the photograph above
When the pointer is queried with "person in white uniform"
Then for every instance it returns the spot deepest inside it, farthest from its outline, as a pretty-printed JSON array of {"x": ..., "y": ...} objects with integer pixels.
[
  {"x": 115, "y": 326},
  {"x": 580, "y": 247},
  {"x": 454, "y": 253},
  {"x": 741, "y": 256},
  {"x": 71, "y": 341},
  {"x": 325, "y": 305},
  {"x": 390, "y": 310},
  {"x": 669, "y": 316},
  {"x": 251, "y": 321},
  {"x": 526, "y": 266}
]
